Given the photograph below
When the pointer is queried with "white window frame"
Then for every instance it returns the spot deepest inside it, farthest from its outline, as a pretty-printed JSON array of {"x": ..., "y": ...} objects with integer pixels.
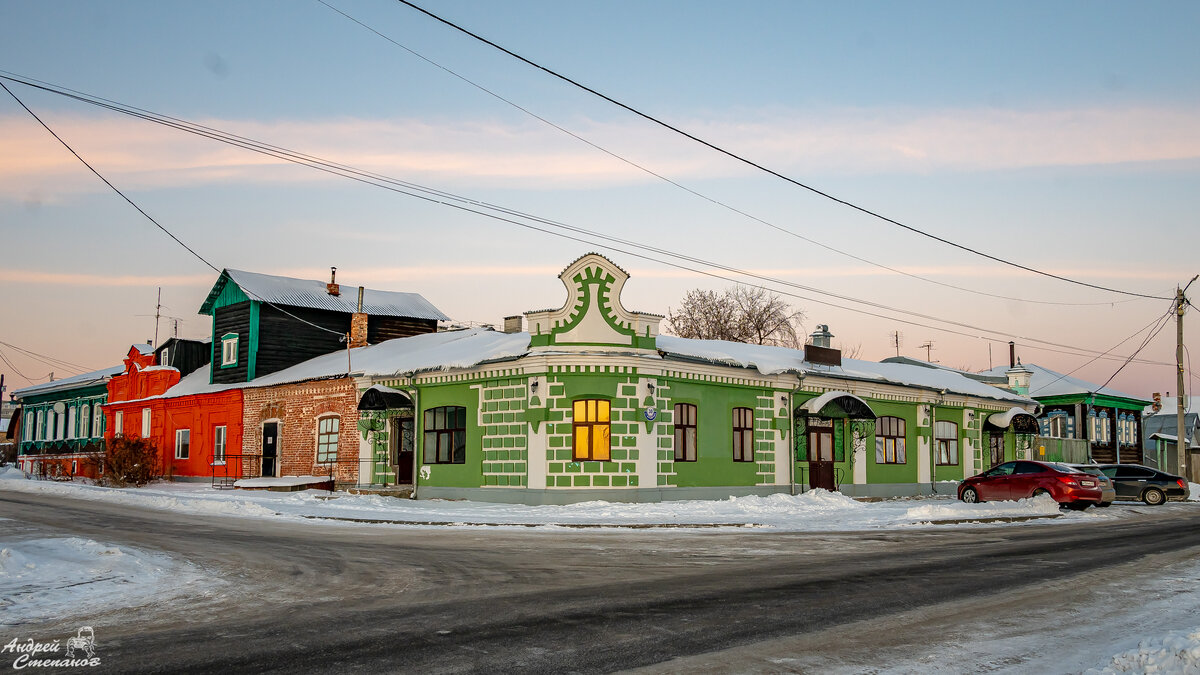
[
  {"x": 147, "y": 422},
  {"x": 29, "y": 425},
  {"x": 72, "y": 421},
  {"x": 97, "y": 420},
  {"x": 184, "y": 435},
  {"x": 39, "y": 431},
  {"x": 118, "y": 422},
  {"x": 165, "y": 357},
  {"x": 85, "y": 421},
  {"x": 229, "y": 350},
  {"x": 220, "y": 437},
  {"x": 330, "y": 449}
]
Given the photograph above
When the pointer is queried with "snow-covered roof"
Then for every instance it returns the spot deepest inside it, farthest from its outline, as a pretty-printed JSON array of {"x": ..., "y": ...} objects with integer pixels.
[
  {"x": 770, "y": 360},
  {"x": 1046, "y": 382},
  {"x": 73, "y": 382},
  {"x": 314, "y": 294},
  {"x": 401, "y": 356},
  {"x": 144, "y": 349}
]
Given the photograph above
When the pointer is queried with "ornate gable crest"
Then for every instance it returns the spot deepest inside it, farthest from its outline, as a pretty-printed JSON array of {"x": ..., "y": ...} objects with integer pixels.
[{"x": 593, "y": 315}]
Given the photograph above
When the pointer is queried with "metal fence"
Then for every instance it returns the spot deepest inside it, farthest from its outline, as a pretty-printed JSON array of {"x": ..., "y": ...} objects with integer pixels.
[{"x": 232, "y": 468}]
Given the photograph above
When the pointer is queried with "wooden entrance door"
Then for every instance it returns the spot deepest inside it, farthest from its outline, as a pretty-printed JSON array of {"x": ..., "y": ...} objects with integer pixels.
[
  {"x": 996, "y": 444},
  {"x": 820, "y": 454},
  {"x": 270, "y": 448},
  {"x": 402, "y": 450}
]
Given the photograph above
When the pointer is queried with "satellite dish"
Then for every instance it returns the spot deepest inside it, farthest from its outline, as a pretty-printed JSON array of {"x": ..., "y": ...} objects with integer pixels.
[{"x": 60, "y": 407}]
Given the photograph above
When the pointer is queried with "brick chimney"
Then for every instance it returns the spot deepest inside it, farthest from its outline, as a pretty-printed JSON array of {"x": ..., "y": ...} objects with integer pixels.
[
  {"x": 514, "y": 324},
  {"x": 332, "y": 287},
  {"x": 358, "y": 324}
]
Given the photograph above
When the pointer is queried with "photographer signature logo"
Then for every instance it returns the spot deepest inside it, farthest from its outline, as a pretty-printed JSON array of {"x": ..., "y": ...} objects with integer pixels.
[{"x": 80, "y": 651}]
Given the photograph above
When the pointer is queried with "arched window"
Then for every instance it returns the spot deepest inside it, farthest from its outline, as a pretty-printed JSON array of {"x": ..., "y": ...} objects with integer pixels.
[
  {"x": 591, "y": 429},
  {"x": 685, "y": 432},
  {"x": 85, "y": 421},
  {"x": 946, "y": 435},
  {"x": 743, "y": 434},
  {"x": 97, "y": 420},
  {"x": 29, "y": 426},
  {"x": 327, "y": 438},
  {"x": 889, "y": 440},
  {"x": 446, "y": 435}
]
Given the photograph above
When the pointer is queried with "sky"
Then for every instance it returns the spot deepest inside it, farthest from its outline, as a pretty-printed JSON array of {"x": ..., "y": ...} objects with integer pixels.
[{"x": 1059, "y": 135}]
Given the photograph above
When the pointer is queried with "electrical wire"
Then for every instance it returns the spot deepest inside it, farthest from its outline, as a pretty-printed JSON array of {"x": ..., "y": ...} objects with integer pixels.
[
  {"x": 1160, "y": 319},
  {"x": 763, "y": 168},
  {"x": 16, "y": 370},
  {"x": 474, "y": 206},
  {"x": 1165, "y": 321},
  {"x": 694, "y": 192},
  {"x": 48, "y": 360},
  {"x": 151, "y": 218}
]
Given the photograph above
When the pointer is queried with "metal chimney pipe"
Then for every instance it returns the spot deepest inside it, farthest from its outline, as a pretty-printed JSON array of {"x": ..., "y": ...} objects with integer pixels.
[
  {"x": 1012, "y": 354},
  {"x": 360, "y": 297}
]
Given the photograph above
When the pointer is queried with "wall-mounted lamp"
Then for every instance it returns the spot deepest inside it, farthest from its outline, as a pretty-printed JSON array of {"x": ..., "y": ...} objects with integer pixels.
[
  {"x": 534, "y": 386},
  {"x": 650, "y": 387}
]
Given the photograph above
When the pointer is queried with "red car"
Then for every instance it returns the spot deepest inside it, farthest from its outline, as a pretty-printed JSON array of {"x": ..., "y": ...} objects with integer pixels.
[{"x": 1021, "y": 479}]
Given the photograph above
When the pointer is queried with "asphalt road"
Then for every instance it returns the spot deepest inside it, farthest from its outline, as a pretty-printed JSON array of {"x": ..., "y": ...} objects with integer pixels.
[{"x": 320, "y": 597}]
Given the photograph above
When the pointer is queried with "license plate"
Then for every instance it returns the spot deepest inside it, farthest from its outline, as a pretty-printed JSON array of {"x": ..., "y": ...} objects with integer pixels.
[{"x": 1087, "y": 483}]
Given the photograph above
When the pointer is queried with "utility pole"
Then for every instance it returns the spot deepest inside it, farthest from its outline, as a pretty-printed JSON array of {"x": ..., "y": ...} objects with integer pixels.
[
  {"x": 157, "y": 313},
  {"x": 1181, "y": 441}
]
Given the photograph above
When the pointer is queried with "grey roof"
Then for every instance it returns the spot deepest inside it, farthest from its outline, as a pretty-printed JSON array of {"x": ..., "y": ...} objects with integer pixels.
[
  {"x": 1046, "y": 382},
  {"x": 73, "y": 382},
  {"x": 313, "y": 294},
  {"x": 981, "y": 377}
]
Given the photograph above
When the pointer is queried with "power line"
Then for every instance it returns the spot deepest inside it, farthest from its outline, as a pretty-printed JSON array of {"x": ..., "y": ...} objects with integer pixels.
[
  {"x": 765, "y": 169},
  {"x": 1160, "y": 320},
  {"x": 690, "y": 190},
  {"x": 474, "y": 206},
  {"x": 147, "y": 215},
  {"x": 48, "y": 360}
]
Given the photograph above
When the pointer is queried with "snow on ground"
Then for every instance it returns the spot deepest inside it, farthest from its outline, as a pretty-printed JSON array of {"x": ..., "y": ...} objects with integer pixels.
[
  {"x": 1176, "y": 652},
  {"x": 47, "y": 578},
  {"x": 815, "y": 510},
  {"x": 283, "y": 481},
  {"x": 1194, "y": 492}
]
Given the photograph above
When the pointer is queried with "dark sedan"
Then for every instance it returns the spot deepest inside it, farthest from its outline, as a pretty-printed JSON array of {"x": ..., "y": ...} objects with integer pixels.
[
  {"x": 1021, "y": 479},
  {"x": 1135, "y": 482}
]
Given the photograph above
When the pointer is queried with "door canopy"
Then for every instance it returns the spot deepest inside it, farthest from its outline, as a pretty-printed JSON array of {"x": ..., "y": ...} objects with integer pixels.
[
  {"x": 838, "y": 404},
  {"x": 380, "y": 397},
  {"x": 1018, "y": 419}
]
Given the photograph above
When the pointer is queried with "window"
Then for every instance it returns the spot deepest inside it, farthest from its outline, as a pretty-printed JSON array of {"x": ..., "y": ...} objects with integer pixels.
[
  {"x": 743, "y": 434},
  {"x": 229, "y": 350},
  {"x": 97, "y": 420},
  {"x": 72, "y": 420},
  {"x": 164, "y": 358},
  {"x": 591, "y": 427},
  {"x": 946, "y": 435},
  {"x": 28, "y": 432},
  {"x": 39, "y": 431},
  {"x": 685, "y": 432},
  {"x": 327, "y": 439},
  {"x": 60, "y": 423},
  {"x": 118, "y": 422},
  {"x": 889, "y": 441},
  {"x": 85, "y": 421},
  {"x": 1058, "y": 426},
  {"x": 183, "y": 442},
  {"x": 145, "y": 423},
  {"x": 446, "y": 435},
  {"x": 219, "y": 444}
]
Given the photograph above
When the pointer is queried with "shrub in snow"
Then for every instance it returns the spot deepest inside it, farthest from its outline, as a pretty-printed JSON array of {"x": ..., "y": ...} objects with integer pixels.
[{"x": 128, "y": 461}]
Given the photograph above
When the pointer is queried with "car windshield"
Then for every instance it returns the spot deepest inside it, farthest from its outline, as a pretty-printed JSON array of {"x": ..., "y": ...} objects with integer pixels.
[{"x": 1094, "y": 470}]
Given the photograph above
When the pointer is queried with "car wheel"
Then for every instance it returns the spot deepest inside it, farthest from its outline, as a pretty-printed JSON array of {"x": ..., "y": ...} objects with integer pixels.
[
  {"x": 1040, "y": 491},
  {"x": 970, "y": 496},
  {"x": 1154, "y": 497}
]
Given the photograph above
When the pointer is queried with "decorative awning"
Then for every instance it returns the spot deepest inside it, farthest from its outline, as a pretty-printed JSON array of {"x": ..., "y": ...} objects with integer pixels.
[
  {"x": 1018, "y": 418},
  {"x": 379, "y": 397},
  {"x": 838, "y": 404}
]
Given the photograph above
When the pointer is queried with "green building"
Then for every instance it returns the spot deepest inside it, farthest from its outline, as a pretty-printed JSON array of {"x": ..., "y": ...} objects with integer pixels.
[{"x": 592, "y": 403}]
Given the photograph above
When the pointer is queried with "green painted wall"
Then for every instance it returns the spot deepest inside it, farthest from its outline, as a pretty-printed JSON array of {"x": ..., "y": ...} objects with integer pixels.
[{"x": 714, "y": 463}]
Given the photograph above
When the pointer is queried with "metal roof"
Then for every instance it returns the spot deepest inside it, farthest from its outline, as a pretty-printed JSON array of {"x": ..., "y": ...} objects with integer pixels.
[
  {"x": 314, "y": 294},
  {"x": 73, "y": 382}
]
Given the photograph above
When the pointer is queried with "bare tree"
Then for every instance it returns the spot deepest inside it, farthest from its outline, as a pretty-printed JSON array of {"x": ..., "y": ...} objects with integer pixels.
[
  {"x": 849, "y": 352},
  {"x": 740, "y": 314}
]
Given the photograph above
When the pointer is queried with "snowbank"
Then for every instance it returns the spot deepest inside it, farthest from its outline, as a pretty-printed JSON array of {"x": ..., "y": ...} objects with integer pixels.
[
  {"x": 53, "y": 578},
  {"x": 283, "y": 481},
  {"x": 1174, "y": 652}
]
